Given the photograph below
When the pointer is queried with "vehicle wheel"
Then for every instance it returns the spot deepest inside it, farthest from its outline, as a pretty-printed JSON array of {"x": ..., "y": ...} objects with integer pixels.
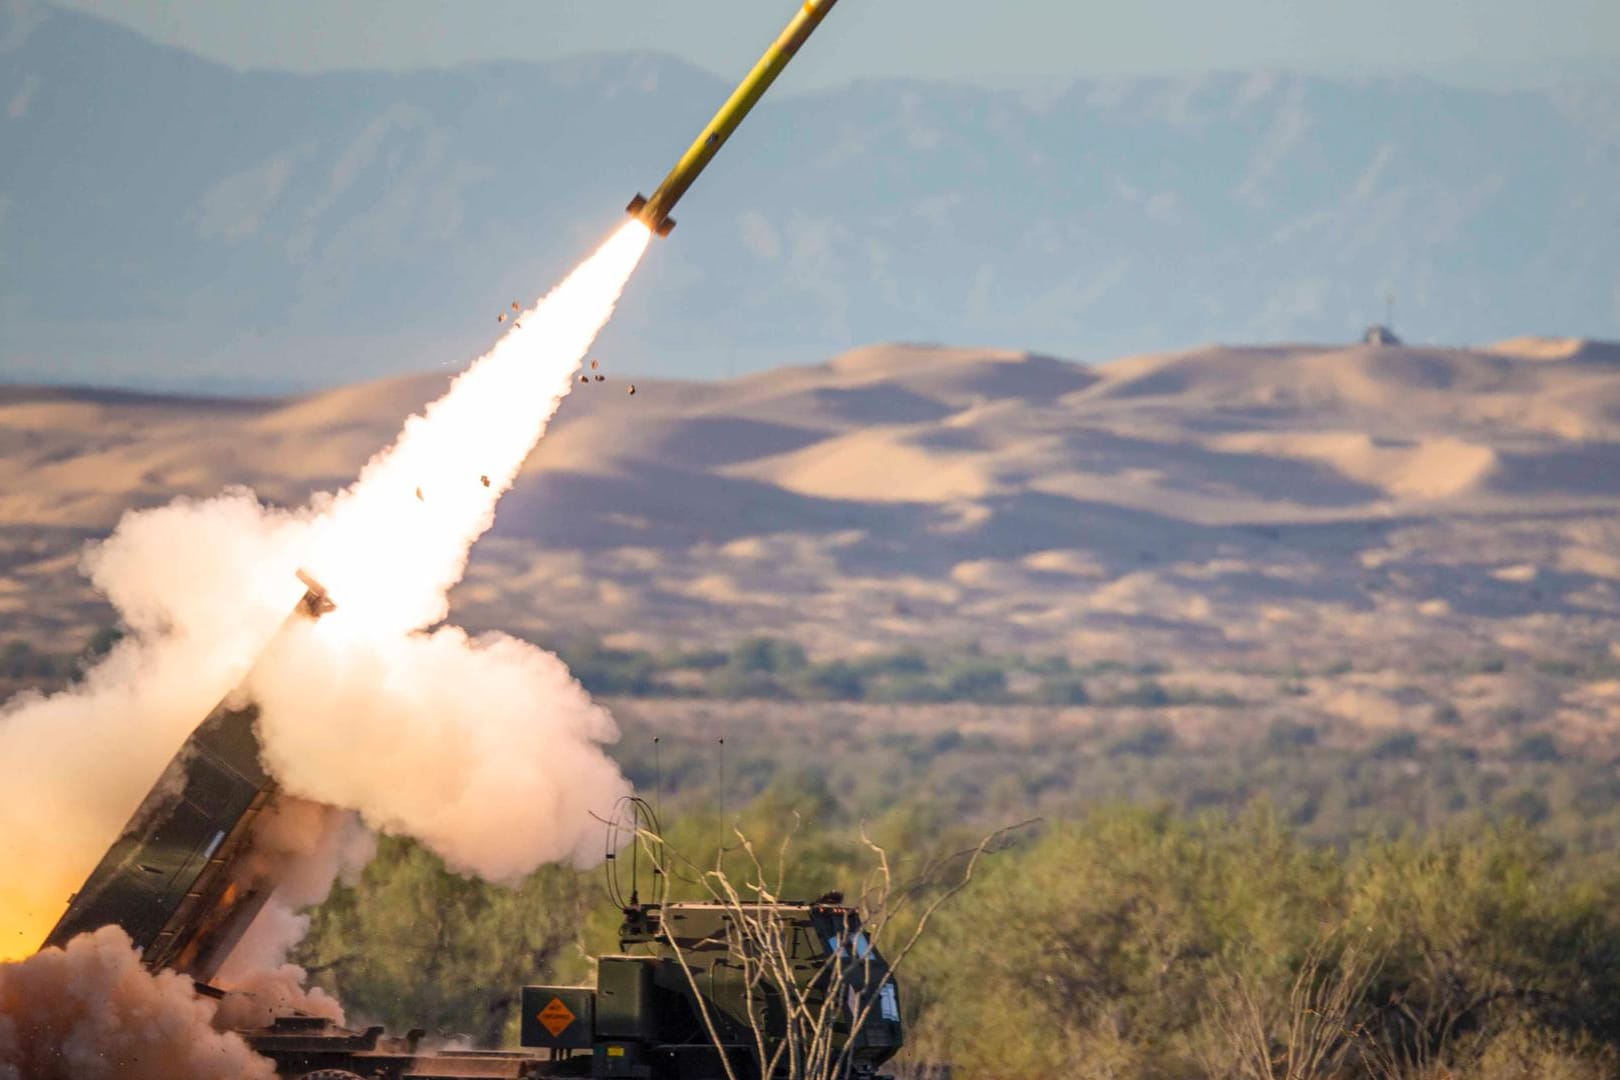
[{"x": 331, "y": 1074}]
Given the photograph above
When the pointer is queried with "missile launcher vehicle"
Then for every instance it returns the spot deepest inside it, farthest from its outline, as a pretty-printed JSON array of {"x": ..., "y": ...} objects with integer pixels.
[
  {"x": 687, "y": 998},
  {"x": 650, "y": 1013}
]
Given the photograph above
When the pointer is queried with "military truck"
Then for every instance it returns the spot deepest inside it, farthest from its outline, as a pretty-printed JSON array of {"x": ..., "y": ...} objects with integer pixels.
[
  {"x": 674, "y": 1005},
  {"x": 702, "y": 991},
  {"x": 688, "y": 989}
]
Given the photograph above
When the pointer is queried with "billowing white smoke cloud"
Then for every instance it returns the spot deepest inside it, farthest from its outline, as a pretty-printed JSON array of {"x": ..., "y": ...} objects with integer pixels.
[
  {"x": 190, "y": 581},
  {"x": 91, "y": 1012},
  {"x": 484, "y": 749}
]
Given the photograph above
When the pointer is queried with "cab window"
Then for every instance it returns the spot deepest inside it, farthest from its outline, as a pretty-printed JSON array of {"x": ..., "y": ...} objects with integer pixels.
[{"x": 856, "y": 945}]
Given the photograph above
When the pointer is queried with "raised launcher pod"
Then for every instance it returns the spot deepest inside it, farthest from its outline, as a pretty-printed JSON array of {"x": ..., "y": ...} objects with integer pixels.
[
  {"x": 656, "y": 210},
  {"x": 168, "y": 879}
]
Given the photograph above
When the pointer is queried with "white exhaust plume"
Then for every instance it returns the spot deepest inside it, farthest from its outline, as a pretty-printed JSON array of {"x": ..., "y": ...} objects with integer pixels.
[
  {"x": 391, "y": 546},
  {"x": 486, "y": 749}
]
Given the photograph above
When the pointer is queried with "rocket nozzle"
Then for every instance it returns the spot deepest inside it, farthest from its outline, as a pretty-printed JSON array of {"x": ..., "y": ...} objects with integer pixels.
[
  {"x": 317, "y": 601},
  {"x": 661, "y": 226}
]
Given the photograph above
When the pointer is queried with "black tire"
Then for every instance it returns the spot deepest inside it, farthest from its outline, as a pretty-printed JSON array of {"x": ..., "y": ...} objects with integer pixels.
[{"x": 331, "y": 1074}]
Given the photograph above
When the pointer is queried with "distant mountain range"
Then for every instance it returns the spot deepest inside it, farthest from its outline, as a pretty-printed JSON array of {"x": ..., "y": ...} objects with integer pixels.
[{"x": 168, "y": 221}]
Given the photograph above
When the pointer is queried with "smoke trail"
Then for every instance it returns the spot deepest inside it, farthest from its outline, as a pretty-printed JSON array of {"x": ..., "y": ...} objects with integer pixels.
[
  {"x": 491, "y": 753},
  {"x": 391, "y": 556}
]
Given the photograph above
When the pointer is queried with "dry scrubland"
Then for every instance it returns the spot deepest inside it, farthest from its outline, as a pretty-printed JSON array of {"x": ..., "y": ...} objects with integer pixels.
[
  {"x": 1356, "y": 538},
  {"x": 1344, "y": 617}
]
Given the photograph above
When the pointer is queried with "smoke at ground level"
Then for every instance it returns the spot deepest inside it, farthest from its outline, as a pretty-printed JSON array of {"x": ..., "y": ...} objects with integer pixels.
[{"x": 91, "y": 1012}]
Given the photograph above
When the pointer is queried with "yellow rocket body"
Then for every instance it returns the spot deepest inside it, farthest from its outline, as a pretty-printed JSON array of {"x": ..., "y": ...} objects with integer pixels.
[{"x": 655, "y": 210}]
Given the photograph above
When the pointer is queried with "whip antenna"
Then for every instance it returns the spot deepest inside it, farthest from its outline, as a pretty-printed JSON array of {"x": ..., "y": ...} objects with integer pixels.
[{"x": 720, "y": 849}]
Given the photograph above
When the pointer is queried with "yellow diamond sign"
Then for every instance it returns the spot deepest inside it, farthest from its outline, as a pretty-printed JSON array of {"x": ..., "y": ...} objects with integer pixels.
[{"x": 556, "y": 1017}]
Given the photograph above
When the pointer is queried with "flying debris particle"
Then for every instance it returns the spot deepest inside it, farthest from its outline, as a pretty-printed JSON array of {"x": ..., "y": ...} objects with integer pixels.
[
  {"x": 594, "y": 365},
  {"x": 419, "y": 495},
  {"x": 584, "y": 378},
  {"x": 632, "y": 390},
  {"x": 515, "y": 306},
  {"x": 501, "y": 317},
  {"x": 601, "y": 378},
  {"x": 484, "y": 480}
]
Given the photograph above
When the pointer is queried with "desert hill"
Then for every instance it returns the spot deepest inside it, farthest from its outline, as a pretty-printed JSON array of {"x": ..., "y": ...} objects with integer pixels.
[{"x": 1246, "y": 505}]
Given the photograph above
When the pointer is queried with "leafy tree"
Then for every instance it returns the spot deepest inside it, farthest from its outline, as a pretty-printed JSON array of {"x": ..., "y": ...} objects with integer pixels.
[
  {"x": 414, "y": 945},
  {"x": 1104, "y": 937},
  {"x": 1063, "y": 690},
  {"x": 835, "y": 681},
  {"x": 1146, "y": 694},
  {"x": 976, "y": 680},
  {"x": 767, "y": 654},
  {"x": 1149, "y": 740}
]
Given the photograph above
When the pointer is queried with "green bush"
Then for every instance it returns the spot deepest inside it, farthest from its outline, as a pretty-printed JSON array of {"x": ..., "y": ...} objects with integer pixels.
[
  {"x": 603, "y": 670},
  {"x": 835, "y": 681},
  {"x": 907, "y": 689},
  {"x": 767, "y": 654},
  {"x": 1446, "y": 715},
  {"x": 976, "y": 681},
  {"x": 1401, "y": 744},
  {"x": 1062, "y": 690},
  {"x": 1146, "y": 694},
  {"x": 413, "y": 945},
  {"x": 1540, "y": 746},
  {"x": 741, "y": 683},
  {"x": 1149, "y": 740},
  {"x": 1287, "y": 737},
  {"x": 908, "y": 661}
]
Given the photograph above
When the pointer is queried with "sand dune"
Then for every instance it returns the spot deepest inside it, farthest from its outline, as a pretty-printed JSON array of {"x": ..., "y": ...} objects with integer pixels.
[
  {"x": 1250, "y": 501},
  {"x": 1427, "y": 469},
  {"x": 881, "y": 465}
]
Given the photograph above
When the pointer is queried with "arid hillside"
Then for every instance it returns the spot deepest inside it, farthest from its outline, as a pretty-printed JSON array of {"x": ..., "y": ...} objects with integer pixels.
[{"x": 1276, "y": 504}]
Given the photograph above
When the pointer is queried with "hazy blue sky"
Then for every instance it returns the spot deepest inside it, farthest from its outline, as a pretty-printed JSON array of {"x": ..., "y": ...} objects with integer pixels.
[{"x": 990, "y": 40}]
